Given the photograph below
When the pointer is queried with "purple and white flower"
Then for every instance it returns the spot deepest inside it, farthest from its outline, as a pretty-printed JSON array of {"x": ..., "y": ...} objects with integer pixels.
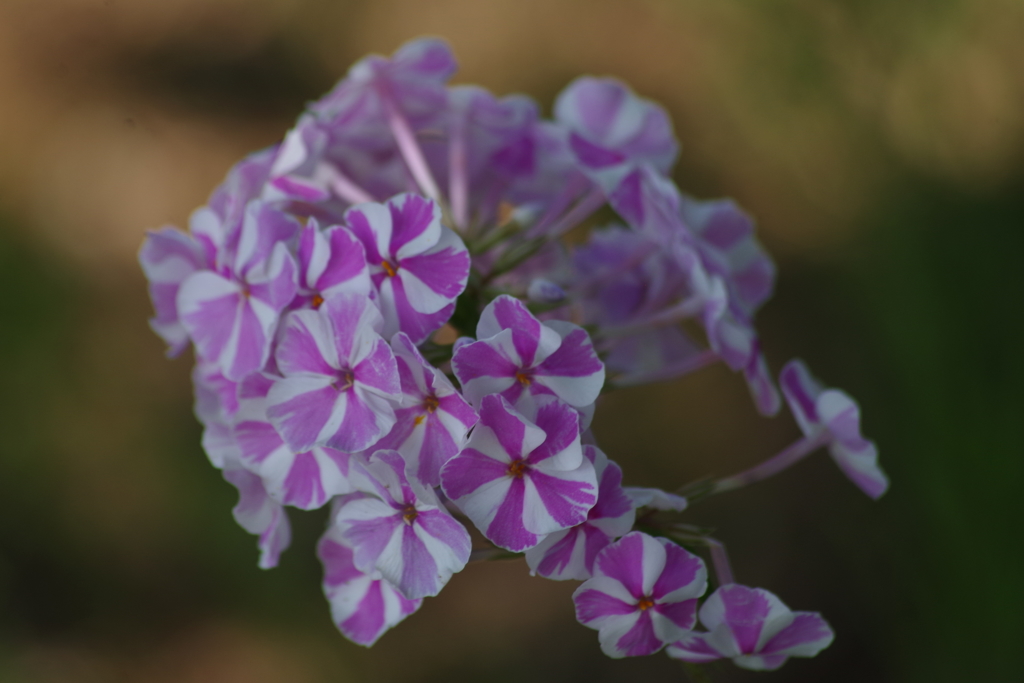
[
  {"x": 339, "y": 379},
  {"x": 753, "y": 628},
  {"x": 611, "y": 129},
  {"x": 401, "y": 529},
  {"x": 570, "y": 554},
  {"x": 304, "y": 480},
  {"x": 643, "y": 595},
  {"x": 432, "y": 424},
  {"x": 834, "y": 417},
  {"x": 363, "y": 604},
  {"x": 231, "y": 315},
  {"x": 519, "y": 480},
  {"x": 418, "y": 266},
  {"x": 521, "y": 359}
]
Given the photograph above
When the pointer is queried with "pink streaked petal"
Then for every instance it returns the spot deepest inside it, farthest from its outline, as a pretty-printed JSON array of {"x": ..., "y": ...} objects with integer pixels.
[
  {"x": 693, "y": 648},
  {"x": 377, "y": 370},
  {"x": 622, "y": 639},
  {"x": 307, "y": 345},
  {"x": 302, "y": 487},
  {"x": 508, "y": 313},
  {"x": 560, "y": 499},
  {"x": 861, "y": 467},
  {"x": 623, "y": 561},
  {"x": 337, "y": 561},
  {"x": 442, "y": 272},
  {"x": 372, "y": 527},
  {"x": 302, "y": 409},
  {"x": 673, "y": 619},
  {"x": 416, "y": 225},
  {"x": 745, "y": 611},
  {"x": 258, "y": 514},
  {"x": 276, "y": 283},
  {"x": 561, "y": 449},
  {"x": 759, "y": 662},
  {"x": 208, "y": 305},
  {"x": 573, "y": 371},
  {"x": 806, "y": 636},
  {"x": 482, "y": 359},
  {"x": 254, "y": 330},
  {"x": 371, "y": 225},
  {"x": 684, "y": 576},
  {"x": 801, "y": 391},
  {"x": 506, "y": 528},
  {"x": 345, "y": 270},
  {"x": 470, "y": 470},
  {"x": 257, "y": 440},
  {"x": 356, "y": 323},
  {"x": 596, "y": 608},
  {"x": 365, "y": 417}
]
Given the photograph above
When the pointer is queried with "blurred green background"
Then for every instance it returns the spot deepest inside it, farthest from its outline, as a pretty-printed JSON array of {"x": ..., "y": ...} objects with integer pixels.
[{"x": 880, "y": 145}]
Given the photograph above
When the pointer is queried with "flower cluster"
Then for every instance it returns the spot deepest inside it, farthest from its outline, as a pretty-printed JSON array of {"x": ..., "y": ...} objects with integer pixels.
[{"x": 386, "y": 320}]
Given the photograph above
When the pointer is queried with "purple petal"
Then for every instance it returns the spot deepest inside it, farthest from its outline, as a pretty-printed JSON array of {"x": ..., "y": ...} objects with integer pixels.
[{"x": 806, "y": 636}]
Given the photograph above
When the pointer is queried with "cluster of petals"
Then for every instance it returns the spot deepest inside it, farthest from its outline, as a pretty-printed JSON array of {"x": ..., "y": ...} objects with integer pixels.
[
  {"x": 323, "y": 282},
  {"x": 754, "y": 628}
]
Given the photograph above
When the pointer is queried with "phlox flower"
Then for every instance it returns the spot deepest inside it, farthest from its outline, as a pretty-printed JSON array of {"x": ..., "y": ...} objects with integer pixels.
[
  {"x": 432, "y": 424},
  {"x": 518, "y": 480},
  {"x": 611, "y": 129},
  {"x": 643, "y": 595},
  {"x": 339, "y": 377},
  {"x": 363, "y": 604},
  {"x": 305, "y": 480},
  {"x": 401, "y": 529},
  {"x": 417, "y": 265},
  {"x": 831, "y": 415},
  {"x": 570, "y": 553},
  {"x": 753, "y": 628},
  {"x": 231, "y": 315},
  {"x": 522, "y": 359}
]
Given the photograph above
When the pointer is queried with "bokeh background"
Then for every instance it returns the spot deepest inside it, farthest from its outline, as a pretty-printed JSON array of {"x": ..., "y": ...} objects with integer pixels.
[{"x": 879, "y": 144}]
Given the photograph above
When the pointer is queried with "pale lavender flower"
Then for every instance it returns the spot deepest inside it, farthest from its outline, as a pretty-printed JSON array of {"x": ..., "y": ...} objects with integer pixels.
[
  {"x": 363, "y": 604},
  {"x": 432, "y": 424},
  {"x": 522, "y": 359},
  {"x": 753, "y": 628},
  {"x": 417, "y": 265},
  {"x": 832, "y": 416},
  {"x": 339, "y": 378},
  {"x": 231, "y": 316},
  {"x": 402, "y": 529},
  {"x": 258, "y": 513},
  {"x": 518, "y": 480},
  {"x": 643, "y": 595},
  {"x": 570, "y": 554},
  {"x": 611, "y": 129}
]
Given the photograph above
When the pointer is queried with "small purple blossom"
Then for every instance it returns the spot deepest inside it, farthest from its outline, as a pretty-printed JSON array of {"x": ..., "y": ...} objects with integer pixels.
[
  {"x": 570, "y": 554},
  {"x": 832, "y": 415},
  {"x": 363, "y": 604},
  {"x": 339, "y": 377},
  {"x": 519, "y": 480},
  {"x": 402, "y": 530},
  {"x": 417, "y": 265},
  {"x": 643, "y": 595},
  {"x": 231, "y": 315},
  {"x": 432, "y": 424},
  {"x": 521, "y": 358},
  {"x": 753, "y": 628},
  {"x": 611, "y": 129}
]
